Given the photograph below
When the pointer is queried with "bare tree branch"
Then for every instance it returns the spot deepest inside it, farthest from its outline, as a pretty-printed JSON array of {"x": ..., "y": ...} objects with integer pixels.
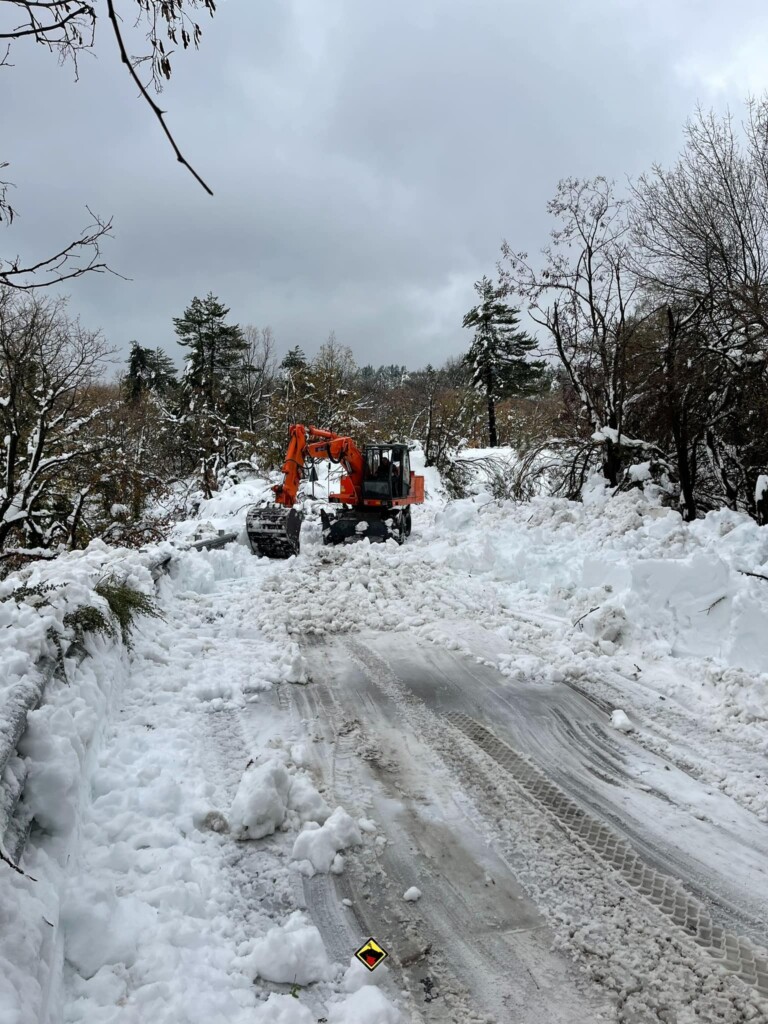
[
  {"x": 159, "y": 114},
  {"x": 63, "y": 265}
]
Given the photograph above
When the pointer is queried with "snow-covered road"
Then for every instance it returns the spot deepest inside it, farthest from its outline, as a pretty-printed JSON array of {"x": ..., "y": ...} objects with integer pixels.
[
  {"x": 454, "y": 700},
  {"x": 507, "y": 847}
]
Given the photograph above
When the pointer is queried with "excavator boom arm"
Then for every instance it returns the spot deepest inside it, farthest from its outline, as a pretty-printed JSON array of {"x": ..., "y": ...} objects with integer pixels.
[{"x": 314, "y": 443}]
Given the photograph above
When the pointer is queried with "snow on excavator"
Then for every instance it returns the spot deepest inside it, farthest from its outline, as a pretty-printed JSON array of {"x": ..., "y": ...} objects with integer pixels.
[{"x": 376, "y": 493}]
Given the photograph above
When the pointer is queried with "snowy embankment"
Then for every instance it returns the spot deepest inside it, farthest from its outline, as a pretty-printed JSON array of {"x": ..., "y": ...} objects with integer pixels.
[
  {"x": 53, "y": 759},
  {"x": 163, "y": 877}
]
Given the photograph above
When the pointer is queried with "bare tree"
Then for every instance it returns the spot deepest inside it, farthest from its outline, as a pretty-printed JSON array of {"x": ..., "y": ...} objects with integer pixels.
[
  {"x": 585, "y": 296},
  {"x": 259, "y": 371},
  {"x": 701, "y": 233},
  {"x": 68, "y": 29},
  {"x": 332, "y": 387},
  {"x": 48, "y": 366}
]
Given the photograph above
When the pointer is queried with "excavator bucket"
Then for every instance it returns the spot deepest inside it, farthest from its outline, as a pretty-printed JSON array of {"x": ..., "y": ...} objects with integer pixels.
[{"x": 273, "y": 530}]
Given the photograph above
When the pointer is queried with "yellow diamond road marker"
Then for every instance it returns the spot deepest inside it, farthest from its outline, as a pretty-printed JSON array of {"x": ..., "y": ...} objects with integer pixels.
[{"x": 371, "y": 954}]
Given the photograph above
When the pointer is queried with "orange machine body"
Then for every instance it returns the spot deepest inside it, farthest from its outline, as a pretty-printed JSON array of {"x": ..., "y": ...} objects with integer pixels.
[{"x": 313, "y": 443}]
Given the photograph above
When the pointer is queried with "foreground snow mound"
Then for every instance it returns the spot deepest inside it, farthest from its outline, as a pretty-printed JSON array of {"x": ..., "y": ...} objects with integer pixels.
[
  {"x": 316, "y": 848},
  {"x": 368, "y": 1005},
  {"x": 269, "y": 797},
  {"x": 305, "y": 801},
  {"x": 283, "y": 1010},
  {"x": 261, "y": 801},
  {"x": 620, "y": 721},
  {"x": 102, "y": 928},
  {"x": 291, "y": 953}
]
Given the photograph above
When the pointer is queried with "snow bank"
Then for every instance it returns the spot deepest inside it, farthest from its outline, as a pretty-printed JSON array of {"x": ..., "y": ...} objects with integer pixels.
[
  {"x": 56, "y": 751},
  {"x": 292, "y": 952},
  {"x": 316, "y": 847}
]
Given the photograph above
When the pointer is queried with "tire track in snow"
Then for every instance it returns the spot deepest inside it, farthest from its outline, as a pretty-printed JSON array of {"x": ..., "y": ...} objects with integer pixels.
[
  {"x": 734, "y": 953},
  {"x": 656, "y": 974}
]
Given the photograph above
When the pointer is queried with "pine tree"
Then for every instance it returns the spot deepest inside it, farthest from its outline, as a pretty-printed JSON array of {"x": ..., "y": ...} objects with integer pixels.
[
  {"x": 497, "y": 358},
  {"x": 211, "y": 385},
  {"x": 295, "y": 359},
  {"x": 148, "y": 370},
  {"x": 215, "y": 351}
]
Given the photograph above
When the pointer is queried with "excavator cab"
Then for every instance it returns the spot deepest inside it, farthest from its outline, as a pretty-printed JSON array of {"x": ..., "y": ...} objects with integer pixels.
[{"x": 387, "y": 473}]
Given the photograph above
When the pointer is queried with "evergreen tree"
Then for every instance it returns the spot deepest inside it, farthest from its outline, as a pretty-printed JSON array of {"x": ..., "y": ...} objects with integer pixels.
[
  {"x": 295, "y": 359},
  {"x": 211, "y": 384},
  {"x": 148, "y": 370},
  {"x": 497, "y": 358},
  {"x": 215, "y": 351}
]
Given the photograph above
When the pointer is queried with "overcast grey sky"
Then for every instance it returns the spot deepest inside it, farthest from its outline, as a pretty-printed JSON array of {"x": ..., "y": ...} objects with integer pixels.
[{"x": 367, "y": 157}]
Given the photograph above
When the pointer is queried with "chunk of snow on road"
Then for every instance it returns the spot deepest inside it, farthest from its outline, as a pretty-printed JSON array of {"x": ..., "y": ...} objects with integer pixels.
[
  {"x": 620, "y": 721},
  {"x": 292, "y": 666},
  {"x": 412, "y": 894},
  {"x": 261, "y": 801},
  {"x": 306, "y": 801},
  {"x": 367, "y": 825},
  {"x": 280, "y": 1009},
  {"x": 319, "y": 845},
  {"x": 368, "y": 1005},
  {"x": 292, "y": 953}
]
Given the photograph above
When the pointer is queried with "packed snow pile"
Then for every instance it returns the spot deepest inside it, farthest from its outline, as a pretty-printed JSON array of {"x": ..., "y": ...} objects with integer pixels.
[
  {"x": 292, "y": 952},
  {"x": 266, "y": 796},
  {"x": 261, "y": 802},
  {"x": 620, "y": 721},
  {"x": 317, "y": 848}
]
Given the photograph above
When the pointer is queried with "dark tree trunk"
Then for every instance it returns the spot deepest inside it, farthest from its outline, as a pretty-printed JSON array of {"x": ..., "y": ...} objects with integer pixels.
[
  {"x": 685, "y": 470},
  {"x": 677, "y": 405},
  {"x": 612, "y": 463},
  {"x": 429, "y": 461},
  {"x": 492, "y": 435}
]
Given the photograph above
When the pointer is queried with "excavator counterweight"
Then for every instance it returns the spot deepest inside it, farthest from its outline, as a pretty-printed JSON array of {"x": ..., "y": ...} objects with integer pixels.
[{"x": 375, "y": 493}]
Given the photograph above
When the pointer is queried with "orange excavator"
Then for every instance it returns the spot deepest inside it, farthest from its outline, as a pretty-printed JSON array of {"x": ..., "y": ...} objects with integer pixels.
[{"x": 375, "y": 493}]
